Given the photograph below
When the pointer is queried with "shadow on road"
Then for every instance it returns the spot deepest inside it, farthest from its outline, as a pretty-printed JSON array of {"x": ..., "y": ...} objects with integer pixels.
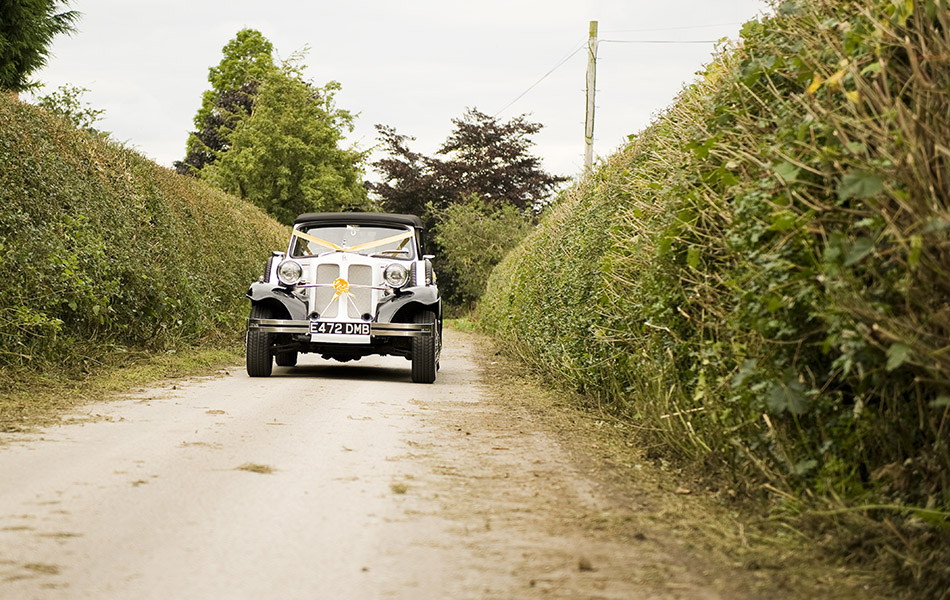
[{"x": 345, "y": 372}]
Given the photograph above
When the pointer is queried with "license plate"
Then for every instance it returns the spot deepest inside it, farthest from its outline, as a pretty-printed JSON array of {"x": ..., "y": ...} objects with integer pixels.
[{"x": 333, "y": 328}]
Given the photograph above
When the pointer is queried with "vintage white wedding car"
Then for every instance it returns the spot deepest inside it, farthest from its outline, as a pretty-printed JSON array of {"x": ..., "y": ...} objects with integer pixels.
[{"x": 349, "y": 285}]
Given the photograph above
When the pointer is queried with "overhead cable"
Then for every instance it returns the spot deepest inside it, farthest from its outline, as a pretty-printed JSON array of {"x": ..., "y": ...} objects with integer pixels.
[
  {"x": 583, "y": 45},
  {"x": 657, "y": 41},
  {"x": 580, "y": 47},
  {"x": 672, "y": 28}
]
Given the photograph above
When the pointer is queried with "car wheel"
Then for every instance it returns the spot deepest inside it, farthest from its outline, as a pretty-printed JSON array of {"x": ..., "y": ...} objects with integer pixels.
[
  {"x": 287, "y": 358},
  {"x": 426, "y": 350},
  {"x": 259, "y": 358}
]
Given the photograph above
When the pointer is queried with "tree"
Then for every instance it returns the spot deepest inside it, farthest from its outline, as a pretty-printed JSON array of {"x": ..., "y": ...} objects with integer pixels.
[
  {"x": 285, "y": 156},
  {"x": 477, "y": 199},
  {"x": 410, "y": 179},
  {"x": 491, "y": 159},
  {"x": 213, "y": 137},
  {"x": 247, "y": 57},
  {"x": 248, "y": 60},
  {"x": 485, "y": 157},
  {"x": 26, "y": 29}
]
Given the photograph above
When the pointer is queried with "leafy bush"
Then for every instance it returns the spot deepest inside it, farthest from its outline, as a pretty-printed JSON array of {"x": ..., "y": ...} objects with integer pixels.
[
  {"x": 102, "y": 250},
  {"x": 760, "y": 279},
  {"x": 67, "y": 102},
  {"x": 475, "y": 237}
]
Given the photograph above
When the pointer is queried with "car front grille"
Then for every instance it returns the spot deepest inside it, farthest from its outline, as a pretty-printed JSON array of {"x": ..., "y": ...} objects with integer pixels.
[
  {"x": 360, "y": 275},
  {"x": 325, "y": 299}
]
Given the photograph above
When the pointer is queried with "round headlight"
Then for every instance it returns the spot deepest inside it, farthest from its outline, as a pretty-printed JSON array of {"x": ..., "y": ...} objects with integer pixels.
[
  {"x": 396, "y": 275},
  {"x": 289, "y": 272}
]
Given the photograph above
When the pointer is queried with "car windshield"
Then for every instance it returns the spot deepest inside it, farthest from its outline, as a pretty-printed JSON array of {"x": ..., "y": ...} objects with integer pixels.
[{"x": 369, "y": 240}]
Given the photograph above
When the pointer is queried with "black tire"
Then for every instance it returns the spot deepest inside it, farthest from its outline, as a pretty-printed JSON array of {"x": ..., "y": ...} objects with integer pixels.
[
  {"x": 259, "y": 357},
  {"x": 287, "y": 358},
  {"x": 426, "y": 350}
]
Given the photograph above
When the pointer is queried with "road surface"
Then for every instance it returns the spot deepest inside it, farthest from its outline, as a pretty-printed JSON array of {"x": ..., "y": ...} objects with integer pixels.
[{"x": 327, "y": 480}]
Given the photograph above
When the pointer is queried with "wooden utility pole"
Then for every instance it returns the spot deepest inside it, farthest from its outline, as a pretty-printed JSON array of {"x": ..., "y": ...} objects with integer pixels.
[{"x": 591, "y": 84}]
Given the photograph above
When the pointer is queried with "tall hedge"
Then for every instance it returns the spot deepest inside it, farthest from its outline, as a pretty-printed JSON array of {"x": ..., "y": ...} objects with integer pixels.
[
  {"x": 760, "y": 280},
  {"x": 102, "y": 250}
]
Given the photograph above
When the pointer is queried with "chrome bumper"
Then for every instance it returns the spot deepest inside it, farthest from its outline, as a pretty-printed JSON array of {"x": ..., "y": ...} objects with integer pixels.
[{"x": 375, "y": 329}]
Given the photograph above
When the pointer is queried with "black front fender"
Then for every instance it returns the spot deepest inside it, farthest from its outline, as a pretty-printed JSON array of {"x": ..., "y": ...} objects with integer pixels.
[
  {"x": 427, "y": 297},
  {"x": 270, "y": 293}
]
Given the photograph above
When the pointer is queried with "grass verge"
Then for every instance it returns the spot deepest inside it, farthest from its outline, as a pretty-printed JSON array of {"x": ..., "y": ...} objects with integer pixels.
[
  {"x": 31, "y": 399},
  {"x": 658, "y": 499}
]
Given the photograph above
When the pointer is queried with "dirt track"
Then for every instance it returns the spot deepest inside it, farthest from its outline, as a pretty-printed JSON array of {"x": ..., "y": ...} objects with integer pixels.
[{"x": 332, "y": 481}]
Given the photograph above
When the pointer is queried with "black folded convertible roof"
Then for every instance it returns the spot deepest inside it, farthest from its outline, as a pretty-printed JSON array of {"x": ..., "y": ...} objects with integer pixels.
[{"x": 361, "y": 218}]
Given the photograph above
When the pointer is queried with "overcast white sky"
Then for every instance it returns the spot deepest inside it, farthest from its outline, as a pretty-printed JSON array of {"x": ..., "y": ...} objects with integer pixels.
[{"x": 411, "y": 64}]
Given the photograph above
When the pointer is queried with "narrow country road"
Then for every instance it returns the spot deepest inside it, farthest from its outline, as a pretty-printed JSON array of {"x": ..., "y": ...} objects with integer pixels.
[{"x": 328, "y": 480}]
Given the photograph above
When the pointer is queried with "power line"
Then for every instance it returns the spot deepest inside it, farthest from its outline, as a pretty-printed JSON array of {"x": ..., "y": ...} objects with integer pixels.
[
  {"x": 583, "y": 44},
  {"x": 658, "y": 41},
  {"x": 672, "y": 28},
  {"x": 579, "y": 47}
]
